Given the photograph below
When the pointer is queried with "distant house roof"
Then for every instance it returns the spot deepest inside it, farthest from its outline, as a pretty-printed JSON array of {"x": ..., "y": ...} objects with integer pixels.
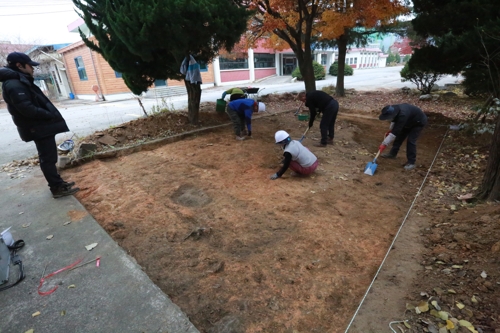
[
  {"x": 402, "y": 47},
  {"x": 54, "y": 47}
]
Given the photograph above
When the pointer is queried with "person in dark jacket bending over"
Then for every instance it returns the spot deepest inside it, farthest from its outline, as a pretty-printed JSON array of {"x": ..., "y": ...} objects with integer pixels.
[
  {"x": 36, "y": 118},
  {"x": 325, "y": 104},
  {"x": 407, "y": 121},
  {"x": 240, "y": 112}
]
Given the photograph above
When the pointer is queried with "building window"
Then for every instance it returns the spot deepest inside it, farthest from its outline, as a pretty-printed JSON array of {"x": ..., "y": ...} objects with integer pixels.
[
  {"x": 323, "y": 59},
  {"x": 80, "y": 67},
  {"x": 160, "y": 83},
  {"x": 238, "y": 63},
  {"x": 118, "y": 75},
  {"x": 264, "y": 60},
  {"x": 355, "y": 61},
  {"x": 203, "y": 66}
]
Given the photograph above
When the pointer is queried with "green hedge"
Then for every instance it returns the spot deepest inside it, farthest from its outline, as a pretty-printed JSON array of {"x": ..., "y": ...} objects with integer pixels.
[
  {"x": 334, "y": 69},
  {"x": 319, "y": 72}
]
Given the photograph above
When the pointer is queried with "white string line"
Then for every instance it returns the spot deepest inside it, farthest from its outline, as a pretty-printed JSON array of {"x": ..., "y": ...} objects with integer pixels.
[{"x": 397, "y": 234}]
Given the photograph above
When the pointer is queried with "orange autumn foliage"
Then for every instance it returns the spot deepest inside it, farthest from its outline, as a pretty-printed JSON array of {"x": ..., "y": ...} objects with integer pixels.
[
  {"x": 324, "y": 19},
  {"x": 358, "y": 13}
]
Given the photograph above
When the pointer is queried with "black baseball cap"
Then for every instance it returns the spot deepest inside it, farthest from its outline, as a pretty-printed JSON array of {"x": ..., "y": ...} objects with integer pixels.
[
  {"x": 15, "y": 57},
  {"x": 388, "y": 112}
]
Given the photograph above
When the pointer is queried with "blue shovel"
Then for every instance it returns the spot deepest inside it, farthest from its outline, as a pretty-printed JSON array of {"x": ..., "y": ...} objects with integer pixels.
[{"x": 372, "y": 166}]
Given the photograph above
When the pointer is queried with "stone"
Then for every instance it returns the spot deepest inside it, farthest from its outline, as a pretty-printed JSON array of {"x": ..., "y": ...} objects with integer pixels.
[
  {"x": 485, "y": 219},
  {"x": 496, "y": 247},
  {"x": 86, "y": 149},
  {"x": 107, "y": 140},
  {"x": 460, "y": 236},
  {"x": 427, "y": 97},
  {"x": 62, "y": 161},
  {"x": 228, "y": 324}
]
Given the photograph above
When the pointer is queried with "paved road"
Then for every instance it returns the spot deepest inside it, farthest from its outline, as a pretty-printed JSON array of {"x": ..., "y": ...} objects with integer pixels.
[{"x": 86, "y": 117}]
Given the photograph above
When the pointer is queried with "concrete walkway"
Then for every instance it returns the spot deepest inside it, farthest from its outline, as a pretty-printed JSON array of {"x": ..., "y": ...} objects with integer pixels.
[{"x": 117, "y": 296}]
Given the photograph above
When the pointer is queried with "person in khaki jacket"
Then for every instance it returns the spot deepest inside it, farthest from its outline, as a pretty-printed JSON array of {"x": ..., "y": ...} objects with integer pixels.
[{"x": 236, "y": 93}]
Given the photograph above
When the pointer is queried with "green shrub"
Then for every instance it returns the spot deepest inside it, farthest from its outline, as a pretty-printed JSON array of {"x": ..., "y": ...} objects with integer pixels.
[
  {"x": 423, "y": 79},
  {"x": 319, "y": 72},
  {"x": 334, "y": 69}
]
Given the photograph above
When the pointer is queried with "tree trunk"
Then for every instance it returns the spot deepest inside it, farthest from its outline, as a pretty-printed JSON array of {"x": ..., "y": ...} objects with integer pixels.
[
  {"x": 342, "y": 44},
  {"x": 307, "y": 71},
  {"x": 194, "y": 97},
  {"x": 306, "y": 68},
  {"x": 490, "y": 187}
]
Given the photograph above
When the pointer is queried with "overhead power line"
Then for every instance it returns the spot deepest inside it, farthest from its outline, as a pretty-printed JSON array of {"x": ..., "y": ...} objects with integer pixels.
[
  {"x": 62, "y": 11},
  {"x": 45, "y": 5}
]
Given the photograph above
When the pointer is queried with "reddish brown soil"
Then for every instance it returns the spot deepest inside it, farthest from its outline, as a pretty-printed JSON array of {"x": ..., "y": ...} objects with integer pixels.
[{"x": 241, "y": 253}]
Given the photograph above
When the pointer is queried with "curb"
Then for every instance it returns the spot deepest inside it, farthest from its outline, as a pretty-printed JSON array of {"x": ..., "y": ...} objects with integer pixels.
[{"x": 150, "y": 145}]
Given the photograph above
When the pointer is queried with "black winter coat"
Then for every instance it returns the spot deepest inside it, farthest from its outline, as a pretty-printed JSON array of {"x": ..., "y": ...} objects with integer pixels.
[
  {"x": 33, "y": 113},
  {"x": 408, "y": 116}
]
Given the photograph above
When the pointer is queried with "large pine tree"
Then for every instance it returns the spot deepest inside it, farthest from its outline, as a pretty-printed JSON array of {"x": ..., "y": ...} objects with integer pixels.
[
  {"x": 463, "y": 37},
  {"x": 148, "y": 39}
]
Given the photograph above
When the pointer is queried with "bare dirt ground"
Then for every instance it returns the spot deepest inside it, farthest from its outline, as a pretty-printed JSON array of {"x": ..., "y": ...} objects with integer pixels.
[{"x": 241, "y": 253}]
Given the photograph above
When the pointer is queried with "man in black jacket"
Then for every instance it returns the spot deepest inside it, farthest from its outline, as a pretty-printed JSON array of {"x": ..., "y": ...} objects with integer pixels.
[
  {"x": 36, "y": 118},
  {"x": 320, "y": 102},
  {"x": 407, "y": 121}
]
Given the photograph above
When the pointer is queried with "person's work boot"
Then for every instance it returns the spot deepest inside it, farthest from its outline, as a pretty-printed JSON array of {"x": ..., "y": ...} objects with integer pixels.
[
  {"x": 388, "y": 155},
  {"x": 240, "y": 138},
  {"x": 319, "y": 144},
  {"x": 409, "y": 166},
  {"x": 63, "y": 191},
  {"x": 329, "y": 141},
  {"x": 68, "y": 185}
]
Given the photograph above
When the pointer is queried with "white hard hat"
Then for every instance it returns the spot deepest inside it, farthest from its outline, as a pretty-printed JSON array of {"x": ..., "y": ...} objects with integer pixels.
[
  {"x": 281, "y": 136},
  {"x": 262, "y": 107}
]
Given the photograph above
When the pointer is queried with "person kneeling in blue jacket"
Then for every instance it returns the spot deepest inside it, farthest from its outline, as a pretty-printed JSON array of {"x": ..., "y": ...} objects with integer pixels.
[{"x": 240, "y": 112}]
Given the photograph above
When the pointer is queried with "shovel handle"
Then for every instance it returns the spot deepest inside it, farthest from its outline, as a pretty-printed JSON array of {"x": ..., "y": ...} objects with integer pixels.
[
  {"x": 376, "y": 156},
  {"x": 299, "y": 108},
  {"x": 304, "y": 135}
]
